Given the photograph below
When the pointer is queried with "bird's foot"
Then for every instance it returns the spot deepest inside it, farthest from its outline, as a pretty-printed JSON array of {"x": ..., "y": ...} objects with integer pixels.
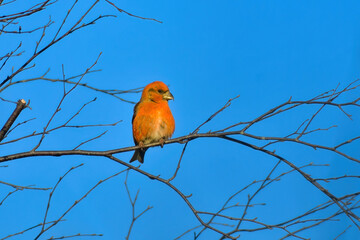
[{"x": 162, "y": 141}]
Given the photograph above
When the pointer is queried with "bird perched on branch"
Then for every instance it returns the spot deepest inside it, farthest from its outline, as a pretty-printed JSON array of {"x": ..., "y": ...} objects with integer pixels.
[{"x": 152, "y": 120}]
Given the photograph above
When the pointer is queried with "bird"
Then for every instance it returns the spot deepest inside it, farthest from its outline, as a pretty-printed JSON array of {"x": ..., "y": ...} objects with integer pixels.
[{"x": 152, "y": 120}]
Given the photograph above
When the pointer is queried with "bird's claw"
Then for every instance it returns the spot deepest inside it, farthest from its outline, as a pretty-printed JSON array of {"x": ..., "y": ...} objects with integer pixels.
[{"x": 162, "y": 141}]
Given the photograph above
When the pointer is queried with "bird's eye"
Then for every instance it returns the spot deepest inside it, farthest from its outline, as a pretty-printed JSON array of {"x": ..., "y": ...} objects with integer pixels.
[{"x": 161, "y": 91}]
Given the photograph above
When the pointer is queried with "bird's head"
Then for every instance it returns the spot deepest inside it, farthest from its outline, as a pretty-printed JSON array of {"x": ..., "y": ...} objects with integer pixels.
[{"x": 156, "y": 92}]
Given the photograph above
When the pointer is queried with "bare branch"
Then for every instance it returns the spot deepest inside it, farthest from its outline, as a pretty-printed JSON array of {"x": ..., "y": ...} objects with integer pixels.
[
  {"x": 21, "y": 104},
  {"x": 133, "y": 202},
  {"x": 77, "y": 202},
  {"x": 132, "y": 15},
  {"x": 76, "y": 235},
  {"x": 23, "y": 187},
  {"x": 60, "y": 103},
  {"x": 49, "y": 201},
  {"x": 26, "y": 230}
]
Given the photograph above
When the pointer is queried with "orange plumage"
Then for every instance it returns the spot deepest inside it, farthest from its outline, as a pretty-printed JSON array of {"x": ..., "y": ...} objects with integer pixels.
[{"x": 152, "y": 120}]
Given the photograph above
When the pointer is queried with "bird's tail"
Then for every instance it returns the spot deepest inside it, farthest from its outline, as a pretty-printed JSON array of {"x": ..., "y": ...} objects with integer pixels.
[{"x": 139, "y": 155}]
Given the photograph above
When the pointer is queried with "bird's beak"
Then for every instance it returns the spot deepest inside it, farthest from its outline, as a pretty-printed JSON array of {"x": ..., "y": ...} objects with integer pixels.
[{"x": 168, "y": 96}]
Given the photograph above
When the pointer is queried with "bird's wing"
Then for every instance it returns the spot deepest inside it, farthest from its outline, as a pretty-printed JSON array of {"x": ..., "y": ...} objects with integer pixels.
[{"x": 135, "y": 111}]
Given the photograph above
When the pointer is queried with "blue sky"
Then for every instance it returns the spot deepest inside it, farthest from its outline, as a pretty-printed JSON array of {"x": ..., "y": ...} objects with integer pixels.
[{"x": 206, "y": 52}]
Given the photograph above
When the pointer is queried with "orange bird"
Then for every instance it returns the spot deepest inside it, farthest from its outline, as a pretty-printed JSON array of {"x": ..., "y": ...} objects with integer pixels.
[{"x": 152, "y": 120}]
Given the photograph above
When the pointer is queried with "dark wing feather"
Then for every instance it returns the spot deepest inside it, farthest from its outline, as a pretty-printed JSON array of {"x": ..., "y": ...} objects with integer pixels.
[{"x": 135, "y": 111}]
